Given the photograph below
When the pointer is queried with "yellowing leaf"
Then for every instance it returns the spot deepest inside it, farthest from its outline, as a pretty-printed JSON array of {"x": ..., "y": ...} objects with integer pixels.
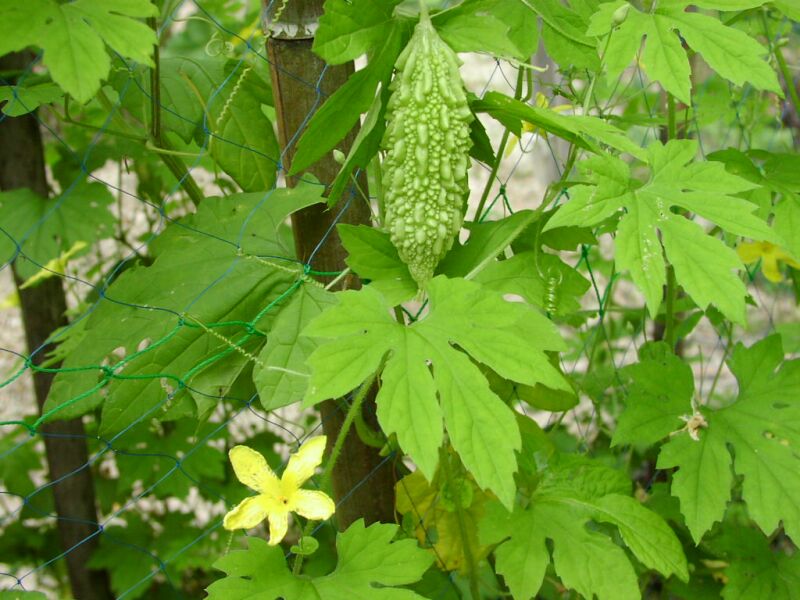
[{"x": 436, "y": 520}]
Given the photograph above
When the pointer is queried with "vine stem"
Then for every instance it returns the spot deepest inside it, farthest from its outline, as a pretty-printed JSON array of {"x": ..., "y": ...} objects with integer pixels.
[
  {"x": 672, "y": 283},
  {"x": 669, "y": 316},
  {"x": 788, "y": 79},
  {"x": 729, "y": 339},
  {"x": 352, "y": 412},
  {"x": 782, "y": 66},
  {"x": 175, "y": 166},
  {"x": 587, "y": 99},
  {"x": 355, "y": 407},
  {"x": 500, "y": 152},
  {"x": 338, "y": 278}
]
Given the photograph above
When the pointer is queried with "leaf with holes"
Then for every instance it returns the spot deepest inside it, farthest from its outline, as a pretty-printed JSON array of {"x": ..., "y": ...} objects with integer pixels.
[
  {"x": 413, "y": 401},
  {"x": 156, "y": 327}
]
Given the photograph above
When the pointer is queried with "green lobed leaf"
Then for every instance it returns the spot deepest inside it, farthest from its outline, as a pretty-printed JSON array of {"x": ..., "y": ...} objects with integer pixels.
[
  {"x": 370, "y": 566},
  {"x": 704, "y": 266},
  {"x": 562, "y": 27},
  {"x": 761, "y": 428},
  {"x": 74, "y": 36},
  {"x": 730, "y": 52},
  {"x": 501, "y": 27},
  {"x": 557, "y": 16},
  {"x": 653, "y": 410},
  {"x": 638, "y": 250},
  {"x": 509, "y": 338},
  {"x": 567, "y": 53},
  {"x": 733, "y": 54},
  {"x": 753, "y": 569},
  {"x": 586, "y": 560}
]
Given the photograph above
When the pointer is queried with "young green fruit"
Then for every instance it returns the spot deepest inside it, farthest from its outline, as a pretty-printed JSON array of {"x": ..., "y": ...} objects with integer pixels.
[{"x": 427, "y": 152}]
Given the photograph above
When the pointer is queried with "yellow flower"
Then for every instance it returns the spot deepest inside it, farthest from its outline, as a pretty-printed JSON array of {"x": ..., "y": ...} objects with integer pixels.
[
  {"x": 278, "y": 497},
  {"x": 769, "y": 254}
]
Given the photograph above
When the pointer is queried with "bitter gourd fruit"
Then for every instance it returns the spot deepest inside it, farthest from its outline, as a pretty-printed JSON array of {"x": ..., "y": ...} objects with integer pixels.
[{"x": 426, "y": 144}]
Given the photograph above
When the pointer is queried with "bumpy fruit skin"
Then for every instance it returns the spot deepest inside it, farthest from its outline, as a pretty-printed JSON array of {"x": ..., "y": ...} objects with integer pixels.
[{"x": 427, "y": 152}]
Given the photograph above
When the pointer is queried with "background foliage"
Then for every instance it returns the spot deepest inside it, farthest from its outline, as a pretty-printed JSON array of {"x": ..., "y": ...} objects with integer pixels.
[{"x": 597, "y": 395}]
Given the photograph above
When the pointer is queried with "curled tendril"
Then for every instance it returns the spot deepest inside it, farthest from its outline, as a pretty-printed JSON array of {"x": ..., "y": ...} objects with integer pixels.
[
  {"x": 216, "y": 46},
  {"x": 553, "y": 282}
]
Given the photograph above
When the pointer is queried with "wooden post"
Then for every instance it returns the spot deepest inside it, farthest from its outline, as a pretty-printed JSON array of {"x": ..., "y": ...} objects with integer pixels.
[
  {"x": 43, "y": 308},
  {"x": 363, "y": 482}
]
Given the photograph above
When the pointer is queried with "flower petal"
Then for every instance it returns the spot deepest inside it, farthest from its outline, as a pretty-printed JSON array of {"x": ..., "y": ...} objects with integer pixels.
[
  {"x": 770, "y": 269},
  {"x": 302, "y": 464},
  {"x": 252, "y": 470},
  {"x": 313, "y": 505},
  {"x": 750, "y": 252},
  {"x": 781, "y": 254},
  {"x": 246, "y": 515},
  {"x": 278, "y": 525}
]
